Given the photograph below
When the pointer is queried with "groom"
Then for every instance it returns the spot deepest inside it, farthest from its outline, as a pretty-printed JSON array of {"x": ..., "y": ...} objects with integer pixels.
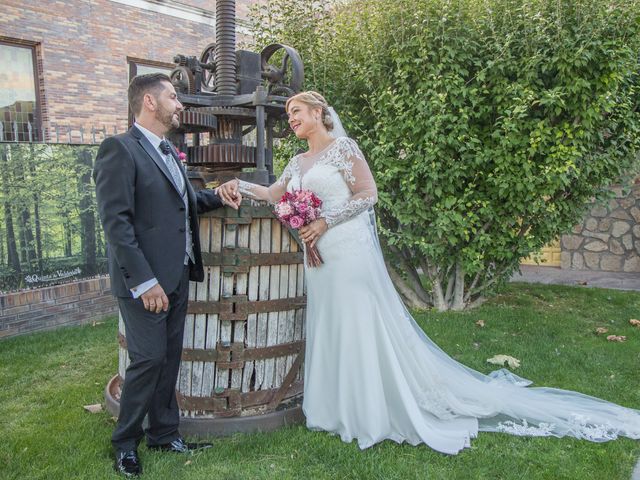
[{"x": 149, "y": 215}]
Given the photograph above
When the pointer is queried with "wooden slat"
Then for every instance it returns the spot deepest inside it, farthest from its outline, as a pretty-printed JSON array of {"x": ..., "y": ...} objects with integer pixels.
[
  {"x": 263, "y": 294},
  {"x": 281, "y": 363},
  {"x": 213, "y": 294},
  {"x": 299, "y": 329},
  {"x": 252, "y": 294},
  {"x": 274, "y": 293},
  {"x": 291, "y": 314},
  {"x": 229, "y": 239},
  {"x": 200, "y": 371},
  {"x": 184, "y": 375},
  {"x": 240, "y": 289}
]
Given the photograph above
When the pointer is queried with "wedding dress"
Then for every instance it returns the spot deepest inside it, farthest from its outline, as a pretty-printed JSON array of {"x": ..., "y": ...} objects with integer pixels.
[{"x": 371, "y": 373}]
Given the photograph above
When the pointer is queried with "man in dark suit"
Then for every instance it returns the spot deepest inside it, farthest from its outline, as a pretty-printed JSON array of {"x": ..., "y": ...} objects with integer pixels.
[{"x": 149, "y": 215}]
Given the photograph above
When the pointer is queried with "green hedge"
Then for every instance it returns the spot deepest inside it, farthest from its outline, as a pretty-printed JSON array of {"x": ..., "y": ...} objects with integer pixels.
[{"x": 489, "y": 125}]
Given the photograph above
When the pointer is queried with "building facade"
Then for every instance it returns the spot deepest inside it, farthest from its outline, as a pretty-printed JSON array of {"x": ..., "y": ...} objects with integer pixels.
[{"x": 66, "y": 64}]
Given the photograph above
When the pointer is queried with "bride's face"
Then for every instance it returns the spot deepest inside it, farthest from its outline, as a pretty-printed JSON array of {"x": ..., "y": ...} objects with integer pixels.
[{"x": 303, "y": 119}]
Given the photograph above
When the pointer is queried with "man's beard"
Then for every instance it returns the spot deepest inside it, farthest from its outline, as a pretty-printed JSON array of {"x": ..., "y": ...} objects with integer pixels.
[{"x": 165, "y": 117}]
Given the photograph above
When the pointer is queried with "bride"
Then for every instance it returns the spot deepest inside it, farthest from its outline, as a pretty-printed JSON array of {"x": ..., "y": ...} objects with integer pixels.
[{"x": 370, "y": 372}]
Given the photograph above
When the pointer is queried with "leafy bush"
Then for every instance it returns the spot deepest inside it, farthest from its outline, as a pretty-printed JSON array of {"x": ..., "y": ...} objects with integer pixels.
[{"x": 488, "y": 125}]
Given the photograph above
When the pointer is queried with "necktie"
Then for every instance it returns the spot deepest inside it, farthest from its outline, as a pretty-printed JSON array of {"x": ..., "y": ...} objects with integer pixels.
[
  {"x": 178, "y": 179},
  {"x": 170, "y": 162}
]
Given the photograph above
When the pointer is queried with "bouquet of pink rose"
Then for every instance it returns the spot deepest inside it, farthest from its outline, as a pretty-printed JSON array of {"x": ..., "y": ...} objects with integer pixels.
[{"x": 296, "y": 209}]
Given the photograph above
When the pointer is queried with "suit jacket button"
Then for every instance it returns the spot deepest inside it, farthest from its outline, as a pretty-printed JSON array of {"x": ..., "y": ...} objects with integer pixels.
[{"x": 181, "y": 229}]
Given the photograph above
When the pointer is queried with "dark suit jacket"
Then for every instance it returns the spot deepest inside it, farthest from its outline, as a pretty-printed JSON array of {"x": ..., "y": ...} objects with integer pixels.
[{"x": 143, "y": 214}]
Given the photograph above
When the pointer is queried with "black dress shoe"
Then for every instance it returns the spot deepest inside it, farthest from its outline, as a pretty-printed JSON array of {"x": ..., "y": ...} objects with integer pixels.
[
  {"x": 180, "y": 446},
  {"x": 128, "y": 463}
]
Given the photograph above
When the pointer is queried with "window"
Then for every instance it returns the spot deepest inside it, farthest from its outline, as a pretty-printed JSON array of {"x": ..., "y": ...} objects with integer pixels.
[
  {"x": 142, "y": 67},
  {"x": 19, "y": 106}
]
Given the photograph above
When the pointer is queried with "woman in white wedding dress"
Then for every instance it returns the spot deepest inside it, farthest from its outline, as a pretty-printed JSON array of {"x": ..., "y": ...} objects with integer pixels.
[{"x": 370, "y": 372}]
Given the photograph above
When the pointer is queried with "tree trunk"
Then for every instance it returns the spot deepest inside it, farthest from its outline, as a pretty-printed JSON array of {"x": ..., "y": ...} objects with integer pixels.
[
  {"x": 408, "y": 294},
  {"x": 27, "y": 249},
  {"x": 87, "y": 218},
  {"x": 67, "y": 233},
  {"x": 436, "y": 286},
  {"x": 100, "y": 246},
  {"x": 27, "y": 244},
  {"x": 13, "y": 259},
  {"x": 12, "y": 247},
  {"x": 458, "y": 292},
  {"x": 413, "y": 279},
  {"x": 36, "y": 212}
]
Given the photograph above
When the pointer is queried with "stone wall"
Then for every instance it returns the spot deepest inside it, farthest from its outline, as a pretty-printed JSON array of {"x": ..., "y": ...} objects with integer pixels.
[
  {"x": 48, "y": 308},
  {"x": 609, "y": 237}
]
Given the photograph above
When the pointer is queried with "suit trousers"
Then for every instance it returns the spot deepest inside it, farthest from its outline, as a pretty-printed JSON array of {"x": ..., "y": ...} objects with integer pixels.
[{"x": 154, "y": 343}]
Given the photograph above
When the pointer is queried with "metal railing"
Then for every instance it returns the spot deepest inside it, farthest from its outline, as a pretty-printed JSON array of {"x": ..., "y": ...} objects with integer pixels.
[{"x": 27, "y": 132}]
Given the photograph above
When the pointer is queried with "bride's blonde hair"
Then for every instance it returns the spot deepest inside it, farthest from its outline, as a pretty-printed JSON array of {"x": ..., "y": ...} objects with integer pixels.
[{"x": 314, "y": 100}]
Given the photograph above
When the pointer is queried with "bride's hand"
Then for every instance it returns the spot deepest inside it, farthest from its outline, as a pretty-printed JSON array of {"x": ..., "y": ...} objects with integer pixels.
[{"x": 312, "y": 232}]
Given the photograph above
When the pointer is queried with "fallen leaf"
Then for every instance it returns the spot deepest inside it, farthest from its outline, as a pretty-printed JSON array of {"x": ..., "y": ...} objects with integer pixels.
[
  {"x": 502, "y": 359},
  {"x": 601, "y": 330},
  {"x": 616, "y": 338},
  {"x": 188, "y": 462},
  {"x": 97, "y": 408},
  {"x": 634, "y": 322},
  {"x": 480, "y": 323}
]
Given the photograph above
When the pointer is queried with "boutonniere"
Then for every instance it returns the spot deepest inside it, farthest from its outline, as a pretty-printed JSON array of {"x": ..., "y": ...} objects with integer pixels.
[{"x": 182, "y": 156}]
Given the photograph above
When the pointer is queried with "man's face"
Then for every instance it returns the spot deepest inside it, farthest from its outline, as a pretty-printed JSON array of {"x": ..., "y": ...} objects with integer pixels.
[{"x": 169, "y": 107}]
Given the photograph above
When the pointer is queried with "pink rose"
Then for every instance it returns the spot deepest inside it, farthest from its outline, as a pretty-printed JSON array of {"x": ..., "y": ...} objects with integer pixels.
[
  {"x": 296, "y": 221},
  {"x": 284, "y": 209},
  {"x": 302, "y": 208}
]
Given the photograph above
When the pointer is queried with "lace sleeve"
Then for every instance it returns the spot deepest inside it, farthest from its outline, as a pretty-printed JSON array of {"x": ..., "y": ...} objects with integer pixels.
[
  {"x": 272, "y": 193},
  {"x": 358, "y": 176}
]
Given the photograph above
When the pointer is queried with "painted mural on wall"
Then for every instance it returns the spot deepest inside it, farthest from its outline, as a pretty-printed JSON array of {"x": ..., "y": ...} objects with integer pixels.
[{"x": 49, "y": 227}]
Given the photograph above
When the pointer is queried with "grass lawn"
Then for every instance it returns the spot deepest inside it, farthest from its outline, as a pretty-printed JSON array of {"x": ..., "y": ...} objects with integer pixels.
[{"x": 46, "y": 379}]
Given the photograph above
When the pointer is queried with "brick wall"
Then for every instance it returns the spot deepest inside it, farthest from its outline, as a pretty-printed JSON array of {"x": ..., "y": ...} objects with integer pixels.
[
  {"x": 82, "y": 49},
  {"x": 48, "y": 308}
]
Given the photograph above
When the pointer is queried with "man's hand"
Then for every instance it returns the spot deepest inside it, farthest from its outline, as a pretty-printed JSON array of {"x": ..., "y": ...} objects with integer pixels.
[
  {"x": 230, "y": 194},
  {"x": 312, "y": 232},
  {"x": 155, "y": 299}
]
